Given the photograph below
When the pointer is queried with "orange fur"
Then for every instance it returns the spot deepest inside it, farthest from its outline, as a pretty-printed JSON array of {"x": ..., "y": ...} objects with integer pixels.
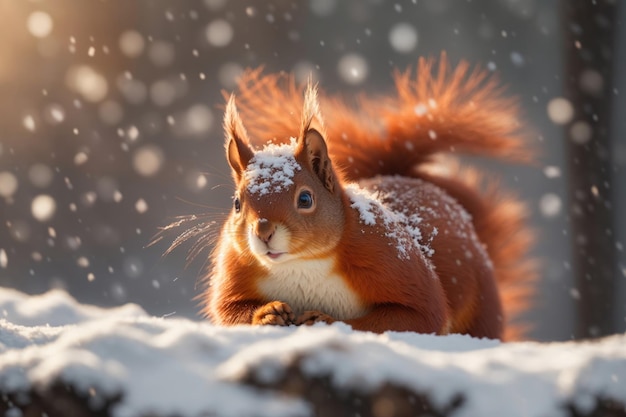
[{"x": 475, "y": 281}]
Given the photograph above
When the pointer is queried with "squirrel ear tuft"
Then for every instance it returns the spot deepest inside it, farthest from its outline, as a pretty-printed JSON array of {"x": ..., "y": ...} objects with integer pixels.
[
  {"x": 238, "y": 152},
  {"x": 311, "y": 115},
  {"x": 313, "y": 149}
]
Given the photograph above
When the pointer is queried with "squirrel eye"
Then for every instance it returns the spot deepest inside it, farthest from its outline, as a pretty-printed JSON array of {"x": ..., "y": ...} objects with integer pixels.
[
  {"x": 305, "y": 200},
  {"x": 237, "y": 205}
]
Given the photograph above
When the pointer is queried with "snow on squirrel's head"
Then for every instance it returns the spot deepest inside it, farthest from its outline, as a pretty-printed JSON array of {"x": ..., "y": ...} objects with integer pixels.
[{"x": 288, "y": 200}]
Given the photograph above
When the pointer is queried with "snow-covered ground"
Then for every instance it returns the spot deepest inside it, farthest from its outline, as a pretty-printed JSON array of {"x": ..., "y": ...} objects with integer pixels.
[{"x": 181, "y": 367}]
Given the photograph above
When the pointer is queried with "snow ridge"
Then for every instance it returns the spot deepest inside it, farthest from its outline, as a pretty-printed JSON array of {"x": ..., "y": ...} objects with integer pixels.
[{"x": 181, "y": 367}]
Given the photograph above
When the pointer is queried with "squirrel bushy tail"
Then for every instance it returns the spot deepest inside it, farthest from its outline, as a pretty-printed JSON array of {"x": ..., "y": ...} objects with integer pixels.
[{"x": 436, "y": 110}]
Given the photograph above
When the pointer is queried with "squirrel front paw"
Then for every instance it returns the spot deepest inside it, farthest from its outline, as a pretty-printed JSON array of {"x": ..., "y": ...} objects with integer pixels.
[
  {"x": 311, "y": 317},
  {"x": 275, "y": 313}
]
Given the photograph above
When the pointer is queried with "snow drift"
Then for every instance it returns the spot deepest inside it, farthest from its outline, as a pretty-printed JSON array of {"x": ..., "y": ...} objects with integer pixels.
[{"x": 59, "y": 357}]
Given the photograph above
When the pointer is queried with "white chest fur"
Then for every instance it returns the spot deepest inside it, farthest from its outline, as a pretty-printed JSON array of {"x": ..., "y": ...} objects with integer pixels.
[{"x": 310, "y": 285}]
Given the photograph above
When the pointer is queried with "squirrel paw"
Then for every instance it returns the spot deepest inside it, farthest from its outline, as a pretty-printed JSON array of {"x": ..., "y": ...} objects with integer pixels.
[
  {"x": 275, "y": 313},
  {"x": 310, "y": 317}
]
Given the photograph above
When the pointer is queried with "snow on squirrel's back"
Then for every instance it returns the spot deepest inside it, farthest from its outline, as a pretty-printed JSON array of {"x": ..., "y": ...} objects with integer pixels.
[
  {"x": 415, "y": 214},
  {"x": 181, "y": 367}
]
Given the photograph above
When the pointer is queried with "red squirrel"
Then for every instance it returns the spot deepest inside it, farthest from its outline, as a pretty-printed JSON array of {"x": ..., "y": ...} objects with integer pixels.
[{"x": 349, "y": 213}]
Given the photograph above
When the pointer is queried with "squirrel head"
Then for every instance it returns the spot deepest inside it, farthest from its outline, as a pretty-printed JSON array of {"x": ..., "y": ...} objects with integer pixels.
[{"x": 288, "y": 199}]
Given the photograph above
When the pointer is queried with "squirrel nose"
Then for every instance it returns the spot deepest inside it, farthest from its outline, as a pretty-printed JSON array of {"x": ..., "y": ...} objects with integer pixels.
[{"x": 265, "y": 230}]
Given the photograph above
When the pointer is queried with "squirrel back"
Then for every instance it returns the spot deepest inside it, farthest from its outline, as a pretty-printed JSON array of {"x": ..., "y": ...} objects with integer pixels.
[{"x": 357, "y": 218}]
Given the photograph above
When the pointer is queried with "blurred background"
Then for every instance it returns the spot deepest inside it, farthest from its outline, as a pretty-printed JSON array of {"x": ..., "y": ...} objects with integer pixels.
[{"x": 110, "y": 126}]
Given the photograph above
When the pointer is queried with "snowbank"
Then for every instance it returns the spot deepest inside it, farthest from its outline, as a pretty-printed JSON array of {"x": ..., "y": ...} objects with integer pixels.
[{"x": 121, "y": 362}]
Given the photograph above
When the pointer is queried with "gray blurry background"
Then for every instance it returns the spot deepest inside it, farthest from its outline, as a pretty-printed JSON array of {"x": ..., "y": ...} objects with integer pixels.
[{"x": 110, "y": 126}]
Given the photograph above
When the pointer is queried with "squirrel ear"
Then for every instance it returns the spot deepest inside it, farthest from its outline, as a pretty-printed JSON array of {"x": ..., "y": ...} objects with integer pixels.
[
  {"x": 313, "y": 148},
  {"x": 238, "y": 152}
]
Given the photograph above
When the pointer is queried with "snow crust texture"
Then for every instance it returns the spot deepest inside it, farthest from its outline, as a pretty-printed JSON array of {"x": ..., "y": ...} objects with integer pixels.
[
  {"x": 180, "y": 367},
  {"x": 272, "y": 169}
]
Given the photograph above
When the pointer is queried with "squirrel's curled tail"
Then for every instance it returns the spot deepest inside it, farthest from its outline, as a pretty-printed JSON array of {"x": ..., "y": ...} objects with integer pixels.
[{"x": 436, "y": 110}]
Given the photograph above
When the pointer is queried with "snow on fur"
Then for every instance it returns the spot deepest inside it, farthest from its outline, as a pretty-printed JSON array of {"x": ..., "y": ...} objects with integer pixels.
[
  {"x": 272, "y": 169},
  {"x": 181, "y": 367},
  {"x": 402, "y": 228}
]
